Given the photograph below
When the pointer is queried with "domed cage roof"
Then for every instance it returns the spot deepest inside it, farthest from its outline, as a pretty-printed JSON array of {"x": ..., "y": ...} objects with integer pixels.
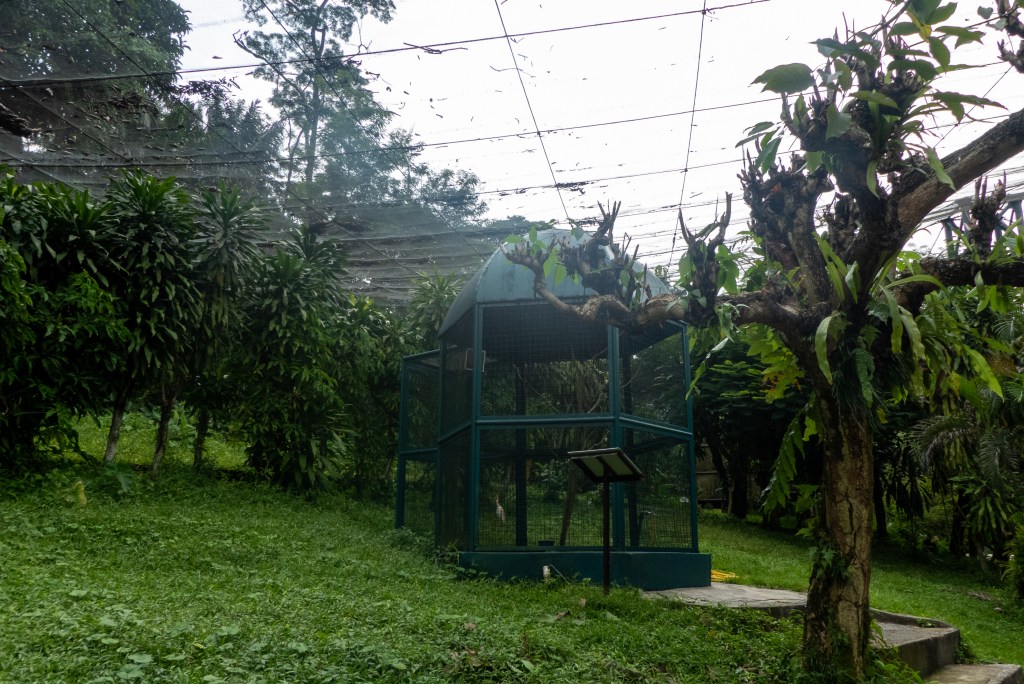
[{"x": 499, "y": 281}]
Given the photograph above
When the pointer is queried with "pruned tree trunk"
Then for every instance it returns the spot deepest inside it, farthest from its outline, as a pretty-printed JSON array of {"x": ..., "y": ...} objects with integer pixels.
[
  {"x": 199, "y": 444},
  {"x": 116, "y": 420},
  {"x": 838, "y": 619},
  {"x": 881, "y": 519},
  {"x": 168, "y": 399}
]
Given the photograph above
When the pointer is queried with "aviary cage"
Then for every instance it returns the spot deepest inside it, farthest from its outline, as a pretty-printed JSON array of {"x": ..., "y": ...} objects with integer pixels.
[{"x": 488, "y": 419}]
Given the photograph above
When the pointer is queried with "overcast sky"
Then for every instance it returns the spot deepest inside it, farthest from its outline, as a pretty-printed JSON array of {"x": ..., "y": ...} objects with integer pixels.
[{"x": 593, "y": 82}]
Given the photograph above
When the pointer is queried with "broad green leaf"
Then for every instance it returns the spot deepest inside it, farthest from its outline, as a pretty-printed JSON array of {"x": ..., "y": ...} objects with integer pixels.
[
  {"x": 549, "y": 264},
  {"x": 813, "y": 160},
  {"x": 922, "y": 9},
  {"x": 984, "y": 12},
  {"x": 877, "y": 97},
  {"x": 920, "y": 278},
  {"x": 560, "y": 273},
  {"x": 896, "y": 320},
  {"x": 852, "y": 280},
  {"x": 939, "y": 51},
  {"x": 830, "y": 47},
  {"x": 844, "y": 75},
  {"x": 923, "y": 68},
  {"x": 685, "y": 267},
  {"x": 904, "y": 28},
  {"x": 767, "y": 155},
  {"x": 914, "y": 333},
  {"x": 942, "y": 13},
  {"x": 821, "y": 346},
  {"x": 980, "y": 366},
  {"x": 872, "y": 178},
  {"x": 940, "y": 171},
  {"x": 786, "y": 78},
  {"x": 838, "y": 122},
  {"x": 963, "y": 35},
  {"x": 755, "y": 132}
]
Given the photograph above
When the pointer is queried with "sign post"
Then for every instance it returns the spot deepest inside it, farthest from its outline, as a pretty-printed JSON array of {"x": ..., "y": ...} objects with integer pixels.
[{"x": 604, "y": 466}]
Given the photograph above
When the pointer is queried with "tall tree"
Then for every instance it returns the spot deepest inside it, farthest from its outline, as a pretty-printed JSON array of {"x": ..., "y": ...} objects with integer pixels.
[
  {"x": 217, "y": 136},
  {"x": 53, "y": 47},
  {"x": 226, "y": 261},
  {"x": 835, "y": 293},
  {"x": 60, "y": 332},
  {"x": 156, "y": 290},
  {"x": 322, "y": 95}
]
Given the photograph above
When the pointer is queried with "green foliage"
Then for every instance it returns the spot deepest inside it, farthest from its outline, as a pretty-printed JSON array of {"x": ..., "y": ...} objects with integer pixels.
[
  {"x": 61, "y": 332},
  {"x": 429, "y": 304},
  {"x": 1015, "y": 570},
  {"x": 291, "y": 409},
  {"x": 369, "y": 345},
  {"x": 49, "y": 39},
  {"x": 194, "y": 579},
  {"x": 154, "y": 282}
]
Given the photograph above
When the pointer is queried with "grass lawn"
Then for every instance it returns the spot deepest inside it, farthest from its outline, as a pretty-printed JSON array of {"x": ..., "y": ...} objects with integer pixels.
[
  {"x": 901, "y": 582},
  {"x": 211, "y": 579},
  {"x": 205, "y": 580}
]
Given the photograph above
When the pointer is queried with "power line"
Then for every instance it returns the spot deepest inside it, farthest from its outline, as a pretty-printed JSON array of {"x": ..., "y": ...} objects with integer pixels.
[
  {"x": 155, "y": 80},
  {"x": 460, "y": 141},
  {"x": 431, "y": 48},
  {"x": 352, "y": 116},
  {"x": 529, "y": 106},
  {"x": 693, "y": 108}
]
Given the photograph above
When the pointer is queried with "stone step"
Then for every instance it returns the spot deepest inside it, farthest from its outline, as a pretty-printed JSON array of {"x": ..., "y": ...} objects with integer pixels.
[
  {"x": 929, "y": 646},
  {"x": 924, "y": 646},
  {"x": 977, "y": 674}
]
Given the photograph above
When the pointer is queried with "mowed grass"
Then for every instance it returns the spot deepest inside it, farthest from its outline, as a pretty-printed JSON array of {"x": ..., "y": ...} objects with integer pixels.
[
  {"x": 106, "y": 576},
  {"x": 201, "y": 579},
  {"x": 902, "y": 581}
]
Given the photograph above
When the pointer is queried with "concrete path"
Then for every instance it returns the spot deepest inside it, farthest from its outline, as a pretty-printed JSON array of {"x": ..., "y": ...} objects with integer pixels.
[{"x": 928, "y": 646}]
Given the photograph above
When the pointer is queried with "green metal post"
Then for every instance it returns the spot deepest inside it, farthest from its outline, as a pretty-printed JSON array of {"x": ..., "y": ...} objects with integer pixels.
[
  {"x": 474, "y": 417},
  {"x": 615, "y": 404},
  {"x": 692, "y": 450}
]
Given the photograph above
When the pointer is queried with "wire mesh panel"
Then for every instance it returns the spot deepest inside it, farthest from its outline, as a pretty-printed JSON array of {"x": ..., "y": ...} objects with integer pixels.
[
  {"x": 541, "y": 362},
  {"x": 419, "y": 402},
  {"x": 418, "y": 491},
  {"x": 457, "y": 366},
  {"x": 658, "y": 507},
  {"x": 654, "y": 375},
  {"x": 453, "y": 506},
  {"x": 531, "y": 495}
]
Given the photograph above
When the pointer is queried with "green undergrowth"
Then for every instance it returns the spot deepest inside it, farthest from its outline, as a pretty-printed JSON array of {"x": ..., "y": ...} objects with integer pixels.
[
  {"x": 107, "y": 577},
  {"x": 902, "y": 581}
]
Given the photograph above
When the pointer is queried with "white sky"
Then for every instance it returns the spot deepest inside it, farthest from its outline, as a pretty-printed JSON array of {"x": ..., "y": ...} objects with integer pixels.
[{"x": 599, "y": 75}]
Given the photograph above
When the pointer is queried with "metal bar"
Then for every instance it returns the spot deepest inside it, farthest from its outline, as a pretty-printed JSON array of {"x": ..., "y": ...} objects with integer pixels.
[
  {"x": 520, "y": 464},
  {"x": 474, "y": 413},
  {"x": 607, "y": 560},
  {"x": 692, "y": 455},
  {"x": 566, "y": 420}
]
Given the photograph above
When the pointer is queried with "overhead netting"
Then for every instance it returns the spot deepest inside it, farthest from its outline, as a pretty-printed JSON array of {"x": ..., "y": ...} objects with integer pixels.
[{"x": 89, "y": 89}]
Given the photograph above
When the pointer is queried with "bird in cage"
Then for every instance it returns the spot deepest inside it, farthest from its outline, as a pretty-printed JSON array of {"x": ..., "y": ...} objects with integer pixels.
[{"x": 498, "y": 510}]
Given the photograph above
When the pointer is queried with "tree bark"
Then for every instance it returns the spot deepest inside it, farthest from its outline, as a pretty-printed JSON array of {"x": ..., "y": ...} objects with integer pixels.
[
  {"x": 199, "y": 445},
  {"x": 116, "y": 419},
  {"x": 881, "y": 520},
  {"x": 168, "y": 399},
  {"x": 837, "y": 622}
]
